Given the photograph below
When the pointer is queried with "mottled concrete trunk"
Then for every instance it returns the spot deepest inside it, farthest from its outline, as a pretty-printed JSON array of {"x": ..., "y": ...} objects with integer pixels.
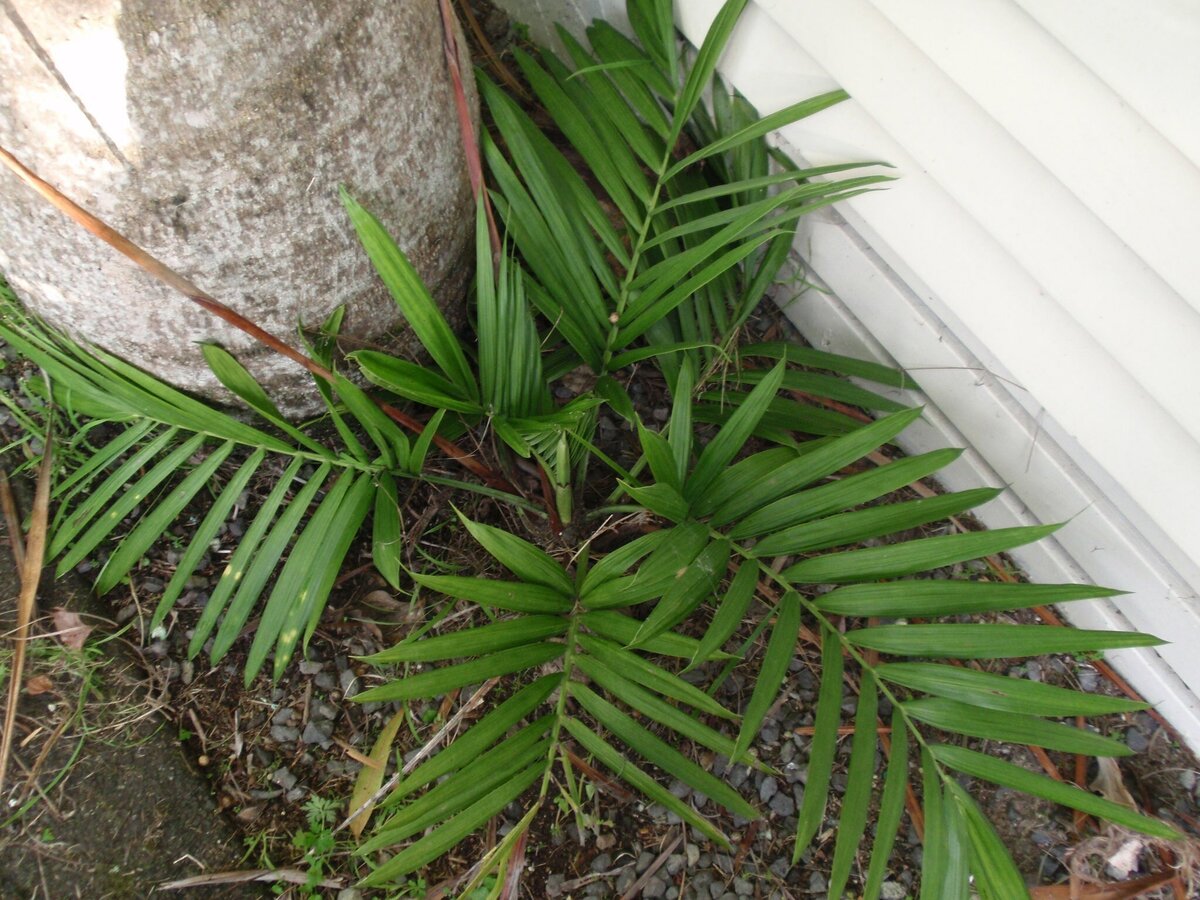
[{"x": 215, "y": 133}]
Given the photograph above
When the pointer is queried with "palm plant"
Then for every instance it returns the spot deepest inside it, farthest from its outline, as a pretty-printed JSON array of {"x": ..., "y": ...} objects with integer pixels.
[{"x": 657, "y": 253}]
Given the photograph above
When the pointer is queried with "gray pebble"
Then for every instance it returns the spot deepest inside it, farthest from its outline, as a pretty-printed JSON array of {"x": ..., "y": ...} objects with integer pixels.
[
  {"x": 625, "y": 880},
  {"x": 310, "y": 667},
  {"x": 1088, "y": 679},
  {"x": 817, "y": 883},
  {"x": 349, "y": 894},
  {"x": 783, "y": 805},
  {"x": 1136, "y": 741},
  {"x": 723, "y": 862},
  {"x": 348, "y": 681},
  {"x": 679, "y": 789},
  {"x": 295, "y": 795},
  {"x": 738, "y": 777},
  {"x": 284, "y": 778},
  {"x": 644, "y": 861},
  {"x": 654, "y": 887},
  {"x": 602, "y": 863},
  {"x": 283, "y": 734},
  {"x": 716, "y": 889},
  {"x": 317, "y": 733},
  {"x": 554, "y": 884},
  {"x": 283, "y": 716},
  {"x": 675, "y": 863},
  {"x": 769, "y": 733},
  {"x": 767, "y": 789},
  {"x": 742, "y": 887},
  {"x": 325, "y": 681},
  {"x": 892, "y": 890},
  {"x": 672, "y": 892},
  {"x": 693, "y": 854}
]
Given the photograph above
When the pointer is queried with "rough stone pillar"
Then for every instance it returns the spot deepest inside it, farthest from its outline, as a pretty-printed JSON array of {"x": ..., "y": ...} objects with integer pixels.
[{"x": 215, "y": 133}]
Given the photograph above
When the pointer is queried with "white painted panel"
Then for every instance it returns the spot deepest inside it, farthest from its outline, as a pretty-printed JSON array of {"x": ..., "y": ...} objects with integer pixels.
[
  {"x": 1125, "y": 172},
  {"x": 926, "y": 233},
  {"x": 991, "y": 258},
  {"x": 1145, "y": 51}
]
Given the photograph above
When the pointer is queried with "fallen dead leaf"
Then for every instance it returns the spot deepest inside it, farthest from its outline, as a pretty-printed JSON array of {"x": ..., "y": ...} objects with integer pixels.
[
  {"x": 1109, "y": 784},
  {"x": 38, "y": 684},
  {"x": 1127, "y": 890},
  {"x": 69, "y": 628}
]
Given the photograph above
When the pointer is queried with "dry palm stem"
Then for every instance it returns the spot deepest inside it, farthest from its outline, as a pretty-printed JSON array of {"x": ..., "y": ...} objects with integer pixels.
[
  {"x": 173, "y": 279},
  {"x": 31, "y": 573}
]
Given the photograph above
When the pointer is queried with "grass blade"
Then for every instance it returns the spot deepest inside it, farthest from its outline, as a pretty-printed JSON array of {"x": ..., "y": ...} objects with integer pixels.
[
  {"x": 823, "y": 747},
  {"x": 412, "y": 298},
  {"x": 1006, "y": 774},
  {"x": 729, "y": 614},
  {"x": 447, "y": 678},
  {"x": 643, "y": 783},
  {"x": 992, "y": 641},
  {"x": 659, "y": 753},
  {"x": 891, "y": 808},
  {"x": 520, "y": 557},
  {"x": 203, "y": 536},
  {"x": 234, "y": 573},
  {"x": 996, "y": 875},
  {"x": 720, "y": 451},
  {"x": 1002, "y": 692},
  {"x": 387, "y": 534},
  {"x": 473, "y": 641},
  {"x": 911, "y": 557},
  {"x": 856, "y": 801},
  {"x": 155, "y": 523},
  {"x": 950, "y": 598},
  {"x": 778, "y": 656},
  {"x": 514, "y": 596}
]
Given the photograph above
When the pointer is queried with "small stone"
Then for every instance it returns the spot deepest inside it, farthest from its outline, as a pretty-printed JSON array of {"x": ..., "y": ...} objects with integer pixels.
[
  {"x": 283, "y": 716},
  {"x": 625, "y": 881},
  {"x": 783, "y": 805},
  {"x": 644, "y": 861},
  {"x": 602, "y": 863},
  {"x": 892, "y": 890},
  {"x": 779, "y": 867},
  {"x": 1136, "y": 741},
  {"x": 723, "y": 862},
  {"x": 348, "y": 681},
  {"x": 767, "y": 789},
  {"x": 284, "y": 734},
  {"x": 317, "y": 733},
  {"x": 817, "y": 883},
  {"x": 654, "y": 887},
  {"x": 693, "y": 855},
  {"x": 716, "y": 889},
  {"x": 310, "y": 666},
  {"x": 679, "y": 789},
  {"x": 349, "y": 894},
  {"x": 769, "y": 733},
  {"x": 738, "y": 777},
  {"x": 284, "y": 778},
  {"x": 674, "y": 864},
  {"x": 1088, "y": 680},
  {"x": 325, "y": 681},
  {"x": 295, "y": 795},
  {"x": 554, "y": 884},
  {"x": 742, "y": 887}
]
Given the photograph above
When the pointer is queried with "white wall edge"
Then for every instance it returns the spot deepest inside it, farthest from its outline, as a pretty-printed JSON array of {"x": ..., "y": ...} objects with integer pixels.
[{"x": 845, "y": 267}]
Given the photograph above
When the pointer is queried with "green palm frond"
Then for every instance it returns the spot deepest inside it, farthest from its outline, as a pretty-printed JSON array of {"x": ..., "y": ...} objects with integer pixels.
[
  {"x": 694, "y": 239},
  {"x": 168, "y": 451}
]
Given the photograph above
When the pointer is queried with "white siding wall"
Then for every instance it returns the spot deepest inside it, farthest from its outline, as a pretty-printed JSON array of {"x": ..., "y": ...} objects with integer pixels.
[{"x": 1037, "y": 265}]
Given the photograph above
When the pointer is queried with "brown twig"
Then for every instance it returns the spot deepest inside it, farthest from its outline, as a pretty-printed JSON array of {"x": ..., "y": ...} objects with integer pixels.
[
  {"x": 12, "y": 521},
  {"x": 31, "y": 573},
  {"x": 173, "y": 279},
  {"x": 502, "y": 71},
  {"x": 466, "y": 124}
]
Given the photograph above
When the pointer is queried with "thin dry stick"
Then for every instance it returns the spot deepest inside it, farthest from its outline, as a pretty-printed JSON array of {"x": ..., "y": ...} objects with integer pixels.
[
  {"x": 173, "y": 279},
  {"x": 12, "y": 521},
  {"x": 31, "y": 573},
  {"x": 466, "y": 123},
  {"x": 474, "y": 701}
]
